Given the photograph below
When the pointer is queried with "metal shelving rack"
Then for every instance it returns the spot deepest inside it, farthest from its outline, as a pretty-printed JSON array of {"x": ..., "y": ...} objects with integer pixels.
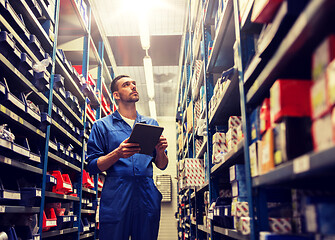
[
  {"x": 252, "y": 80},
  {"x": 94, "y": 54}
]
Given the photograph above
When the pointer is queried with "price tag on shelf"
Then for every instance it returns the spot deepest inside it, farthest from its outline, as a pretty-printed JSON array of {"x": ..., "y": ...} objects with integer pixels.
[
  {"x": 38, "y": 193},
  {"x": 2, "y": 209},
  {"x": 301, "y": 164},
  {"x": 8, "y": 161}
]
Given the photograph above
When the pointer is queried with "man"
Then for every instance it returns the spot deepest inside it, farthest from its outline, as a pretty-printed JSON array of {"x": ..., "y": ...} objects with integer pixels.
[{"x": 130, "y": 202}]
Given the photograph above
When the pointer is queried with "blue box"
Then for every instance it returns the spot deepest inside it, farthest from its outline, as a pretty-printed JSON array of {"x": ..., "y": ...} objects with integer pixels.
[
  {"x": 48, "y": 27},
  {"x": 255, "y": 125},
  {"x": 237, "y": 172},
  {"x": 320, "y": 218},
  {"x": 239, "y": 189}
]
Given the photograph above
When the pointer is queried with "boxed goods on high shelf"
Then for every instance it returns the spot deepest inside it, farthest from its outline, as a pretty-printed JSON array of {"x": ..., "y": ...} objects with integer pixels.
[{"x": 191, "y": 173}]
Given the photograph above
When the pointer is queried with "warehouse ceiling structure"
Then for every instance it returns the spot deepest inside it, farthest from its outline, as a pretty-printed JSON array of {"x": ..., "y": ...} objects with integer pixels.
[{"x": 165, "y": 20}]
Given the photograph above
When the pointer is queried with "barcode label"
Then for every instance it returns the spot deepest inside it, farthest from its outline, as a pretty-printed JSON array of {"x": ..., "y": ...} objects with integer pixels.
[{"x": 301, "y": 164}]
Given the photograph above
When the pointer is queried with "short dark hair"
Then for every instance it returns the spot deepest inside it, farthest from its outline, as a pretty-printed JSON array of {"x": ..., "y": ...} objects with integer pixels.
[{"x": 114, "y": 82}]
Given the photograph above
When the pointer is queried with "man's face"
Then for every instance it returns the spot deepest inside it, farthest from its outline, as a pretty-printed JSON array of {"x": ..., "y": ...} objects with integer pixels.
[{"x": 127, "y": 91}]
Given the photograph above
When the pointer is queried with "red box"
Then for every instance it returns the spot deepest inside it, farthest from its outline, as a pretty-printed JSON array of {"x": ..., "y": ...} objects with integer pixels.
[
  {"x": 265, "y": 119},
  {"x": 322, "y": 56},
  {"x": 290, "y": 98},
  {"x": 265, "y": 10}
]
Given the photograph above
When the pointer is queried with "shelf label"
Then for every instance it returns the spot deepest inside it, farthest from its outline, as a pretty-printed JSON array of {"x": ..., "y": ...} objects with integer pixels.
[
  {"x": 50, "y": 223},
  {"x": 66, "y": 163},
  {"x": 301, "y": 164},
  {"x": 61, "y": 231},
  {"x": 37, "y": 237},
  {"x": 66, "y": 219},
  {"x": 21, "y": 120},
  {"x": 38, "y": 193},
  {"x": 11, "y": 195},
  {"x": 2, "y": 209},
  {"x": 8, "y": 161}
]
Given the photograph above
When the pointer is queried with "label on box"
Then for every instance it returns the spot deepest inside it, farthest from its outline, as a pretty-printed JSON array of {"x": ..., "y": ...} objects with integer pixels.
[
  {"x": 253, "y": 159},
  {"x": 318, "y": 98}
]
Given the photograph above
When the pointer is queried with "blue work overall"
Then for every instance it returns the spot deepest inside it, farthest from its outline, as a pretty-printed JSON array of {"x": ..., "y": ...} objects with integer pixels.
[{"x": 130, "y": 202}]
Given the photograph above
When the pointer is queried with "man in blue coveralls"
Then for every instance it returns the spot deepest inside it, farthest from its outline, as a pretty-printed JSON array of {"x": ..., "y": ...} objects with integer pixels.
[{"x": 130, "y": 202}]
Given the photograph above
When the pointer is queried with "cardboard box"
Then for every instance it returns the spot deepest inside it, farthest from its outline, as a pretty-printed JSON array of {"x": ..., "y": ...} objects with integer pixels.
[
  {"x": 219, "y": 137},
  {"x": 253, "y": 153},
  {"x": 319, "y": 104},
  {"x": 330, "y": 78},
  {"x": 290, "y": 98},
  {"x": 267, "y": 159},
  {"x": 264, "y": 10},
  {"x": 237, "y": 172},
  {"x": 234, "y": 121},
  {"x": 231, "y": 135},
  {"x": 280, "y": 225},
  {"x": 322, "y": 56},
  {"x": 322, "y": 134},
  {"x": 239, "y": 188}
]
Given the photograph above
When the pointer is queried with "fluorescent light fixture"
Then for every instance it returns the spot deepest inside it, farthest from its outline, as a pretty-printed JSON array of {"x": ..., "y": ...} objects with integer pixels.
[
  {"x": 149, "y": 76},
  {"x": 144, "y": 32},
  {"x": 152, "y": 109}
]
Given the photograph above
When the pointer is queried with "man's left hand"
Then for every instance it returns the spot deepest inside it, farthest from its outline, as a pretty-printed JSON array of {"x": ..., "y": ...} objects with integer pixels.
[{"x": 161, "y": 145}]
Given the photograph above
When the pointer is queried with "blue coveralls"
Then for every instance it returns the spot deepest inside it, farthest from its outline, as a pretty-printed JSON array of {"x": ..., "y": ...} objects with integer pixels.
[{"x": 130, "y": 202}]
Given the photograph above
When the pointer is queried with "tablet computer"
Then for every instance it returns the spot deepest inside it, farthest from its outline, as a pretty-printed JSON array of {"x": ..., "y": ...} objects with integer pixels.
[{"x": 147, "y": 136}]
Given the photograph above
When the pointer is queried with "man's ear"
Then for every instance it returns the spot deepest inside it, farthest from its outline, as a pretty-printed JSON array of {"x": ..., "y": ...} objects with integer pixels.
[{"x": 116, "y": 95}]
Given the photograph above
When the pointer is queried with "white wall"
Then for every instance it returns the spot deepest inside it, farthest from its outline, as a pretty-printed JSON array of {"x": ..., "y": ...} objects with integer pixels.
[{"x": 168, "y": 223}]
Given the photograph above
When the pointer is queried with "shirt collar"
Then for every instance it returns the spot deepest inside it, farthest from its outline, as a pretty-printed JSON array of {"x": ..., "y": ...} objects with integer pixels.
[{"x": 139, "y": 118}]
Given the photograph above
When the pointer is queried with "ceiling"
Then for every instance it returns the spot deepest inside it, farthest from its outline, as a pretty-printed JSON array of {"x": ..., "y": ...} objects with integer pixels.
[{"x": 166, "y": 23}]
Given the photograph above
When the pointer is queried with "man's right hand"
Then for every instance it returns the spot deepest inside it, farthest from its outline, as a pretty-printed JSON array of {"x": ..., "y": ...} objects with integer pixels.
[{"x": 126, "y": 150}]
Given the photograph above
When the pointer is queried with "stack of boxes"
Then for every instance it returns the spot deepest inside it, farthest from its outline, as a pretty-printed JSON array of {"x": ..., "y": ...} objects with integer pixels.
[
  {"x": 280, "y": 126},
  {"x": 196, "y": 75},
  {"x": 323, "y": 94},
  {"x": 191, "y": 173},
  {"x": 219, "y": 147},
  {"x": 239, "y": 206},
  {"x": 226, "y": 142},
  {"x": 220, "y": 89}
]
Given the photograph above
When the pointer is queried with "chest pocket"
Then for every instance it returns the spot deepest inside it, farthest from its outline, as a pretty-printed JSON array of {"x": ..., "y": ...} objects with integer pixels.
[{"x": 115, "y": 137}]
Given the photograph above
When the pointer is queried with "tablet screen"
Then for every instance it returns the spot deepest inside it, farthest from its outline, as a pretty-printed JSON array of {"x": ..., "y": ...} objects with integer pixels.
[{"x": 147, "y": 136}]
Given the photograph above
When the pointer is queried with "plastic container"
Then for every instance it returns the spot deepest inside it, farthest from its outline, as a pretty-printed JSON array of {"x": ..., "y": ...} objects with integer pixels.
[
  {"x": 49, "y": 219},
  {"x": 64, "y": 185}
]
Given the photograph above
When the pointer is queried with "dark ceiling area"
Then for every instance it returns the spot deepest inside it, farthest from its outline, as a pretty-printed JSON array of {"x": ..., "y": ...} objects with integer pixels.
[{"x": 164, "y": 50}]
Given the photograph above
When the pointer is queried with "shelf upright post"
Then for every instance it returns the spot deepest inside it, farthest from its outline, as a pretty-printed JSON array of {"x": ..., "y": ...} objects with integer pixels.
[
  {"x": 85, "y": 66},
  {"x": 48, "y": 129},
  {"x": 98, "y": 115},
  {"x": 99, "y": 79},
  {"x": 208, "y": 83},
  {"x": 245, "y": 118},
  {"x": 80, "y": 187}
]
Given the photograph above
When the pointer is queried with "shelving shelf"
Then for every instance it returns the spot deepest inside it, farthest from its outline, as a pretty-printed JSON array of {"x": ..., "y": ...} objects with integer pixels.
[
  {"x": 55, "y": 233},
  {"x": 61, "y": 196},
  {"x": 89, "y": 190},
  {"x": 22, "y": 123},
  {"x": 18, "y": 209},
  {"x": 312, "y": 165},
  {"x": 202, "y": 150},
  {"x": 22, "y": 81},
  {"x": 228, "y": 104},
  {"x": 69, "y": 112},
  {"x": 302, "y": 37},
  {"x": 20, "y": 165},
  {"x": 86, "y": 235},
  {"x": 204, "y": 229},
  {"x": 222, "y": 55},
  {"x": 87, "y": 211},
  {"x": 231, "y": 233},
  {"x": 71, "y": 22},
  {"x": 63, "y": 162},
  {"x": 233, "y": 157},
  {"x": 64, "y": 132},
  {"x": 69, "y": 83},
  {"x": 33, "y": 24}
]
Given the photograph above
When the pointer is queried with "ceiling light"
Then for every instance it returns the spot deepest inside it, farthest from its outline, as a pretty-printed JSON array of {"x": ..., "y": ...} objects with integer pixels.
[
  {"x": 152, "y": 109},
  {"x": 144, "y": 32},
  {"x": 149, "y": 77}
]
